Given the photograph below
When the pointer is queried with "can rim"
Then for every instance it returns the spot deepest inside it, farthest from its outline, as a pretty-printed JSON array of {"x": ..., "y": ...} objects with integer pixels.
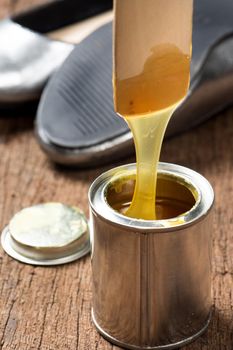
[{"x": 203, "y": 202}]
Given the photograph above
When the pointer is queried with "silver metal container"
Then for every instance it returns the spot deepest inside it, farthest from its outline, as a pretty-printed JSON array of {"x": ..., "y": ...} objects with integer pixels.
[{"x": 151, "y": 279}]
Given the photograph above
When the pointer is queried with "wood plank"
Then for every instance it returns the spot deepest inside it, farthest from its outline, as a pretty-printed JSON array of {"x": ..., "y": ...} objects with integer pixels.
[
  {"x": 24, "y": 5},
  {"x": 11, "y": 7},
  {"x": 49, "y": 308},
  {"x": 5, "y": 8}
]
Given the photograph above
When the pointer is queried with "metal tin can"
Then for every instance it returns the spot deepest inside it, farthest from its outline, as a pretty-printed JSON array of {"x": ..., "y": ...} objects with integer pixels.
[{"x": 151, "y": 279}]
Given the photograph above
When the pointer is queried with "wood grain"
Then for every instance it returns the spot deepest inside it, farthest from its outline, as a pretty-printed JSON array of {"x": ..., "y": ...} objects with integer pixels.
[
  {"x": 11, "y": 7},
  {"x": 49, "y": 308}
]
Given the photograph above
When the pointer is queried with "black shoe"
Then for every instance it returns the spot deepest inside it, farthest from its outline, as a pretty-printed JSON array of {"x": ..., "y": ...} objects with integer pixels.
[{"x": 76, "y": 123}]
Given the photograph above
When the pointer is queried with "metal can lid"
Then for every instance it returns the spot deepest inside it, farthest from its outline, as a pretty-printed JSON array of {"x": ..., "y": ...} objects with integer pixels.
[{"x": 47, "y": 234}]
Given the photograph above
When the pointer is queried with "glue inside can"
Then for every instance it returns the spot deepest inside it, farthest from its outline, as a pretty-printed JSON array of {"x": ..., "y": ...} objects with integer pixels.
[{"x": 152, "y": 279}]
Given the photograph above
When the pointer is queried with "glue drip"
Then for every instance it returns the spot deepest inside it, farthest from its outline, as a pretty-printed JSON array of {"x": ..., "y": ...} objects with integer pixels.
[{"x": 147, "y": 102}]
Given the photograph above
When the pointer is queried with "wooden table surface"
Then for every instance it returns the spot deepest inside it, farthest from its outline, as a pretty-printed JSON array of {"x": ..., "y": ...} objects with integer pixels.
[{"x": 49, "y": 308}]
